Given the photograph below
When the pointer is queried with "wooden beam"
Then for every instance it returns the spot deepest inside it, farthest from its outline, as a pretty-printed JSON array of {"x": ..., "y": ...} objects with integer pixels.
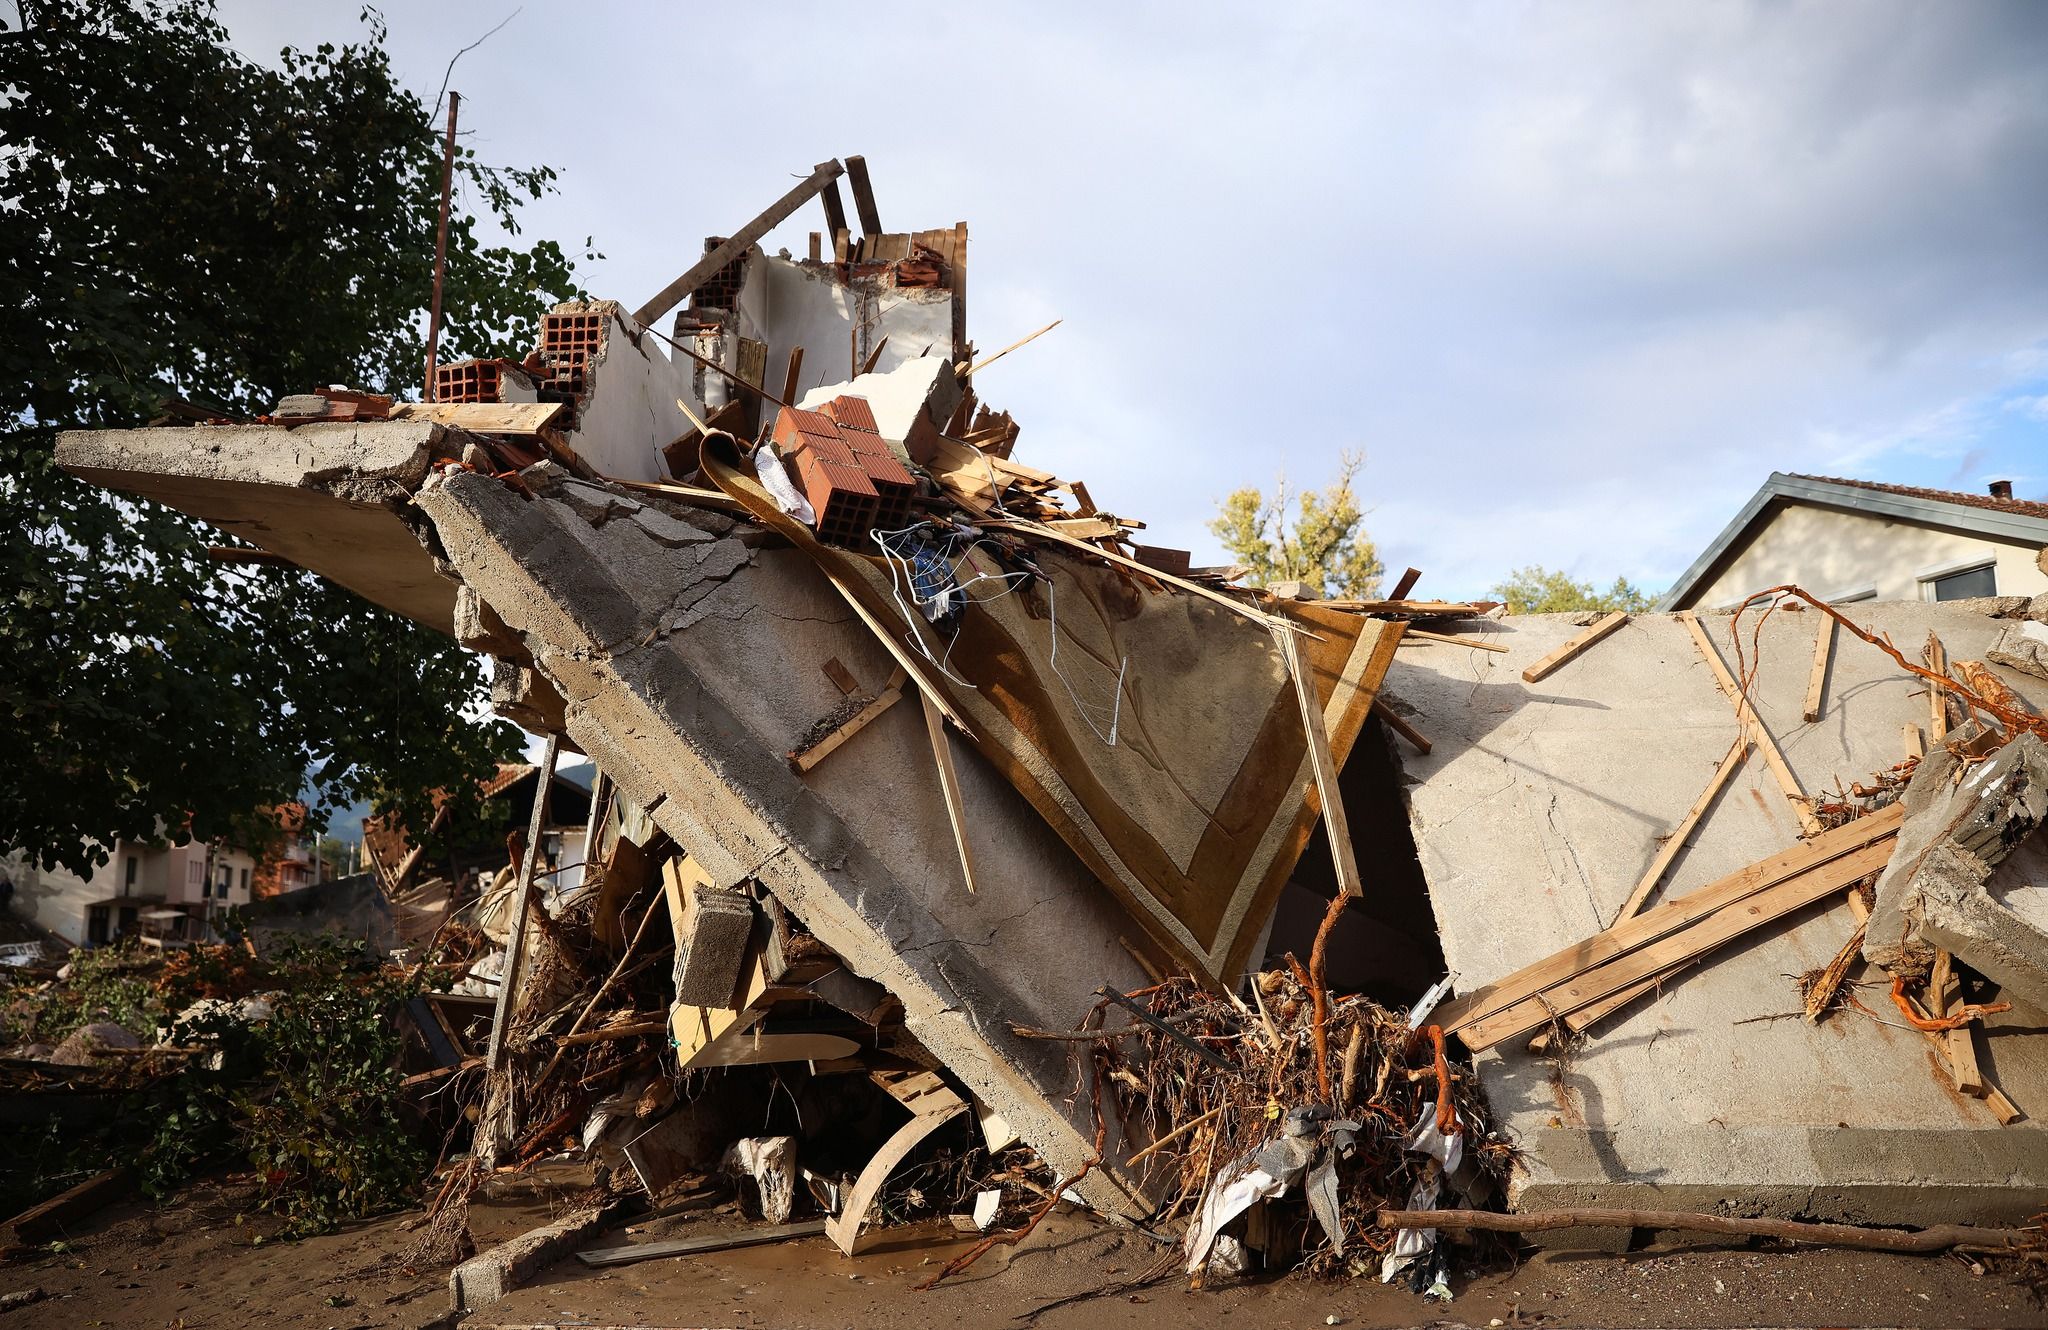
[
  {"x": 1680, "y": 946},
  {"x": 1945, "y": 993},
  {"x": 805, "y": 759},
  {"x": 1937, "y": 1238},
  {"x": 841, "y": 677},
  {"x": 1937, "y": 695},
  {"x": 1676, "y": 840},
  {"x": 1418, "y": 634},
  {"x": 1670, "y": 916},
  {"x": 1549, "y": 664},
  {"x": 736, "y": 244},
  {"x": 1405, "y": 585},
  {"x": 522, "y": 902},
  {"x": 1746, "y": 715},
  {"x": 936, "y": 1110},
  {"x": 949, "y": 786},
  {"x": 1909, "y": 736},
  {"x": 874, "y": 356},
  {"x": 863, "y": 196},
  {"x": 835, "y": 216},
  {"x": 983, "y": 364},
  {"x": 1400, "y": 727},
  {"x": 1323, "y": 766},
  {"x": 1817, "y": 682},
  {"x": 482, "y": 417},
  {"x": 790, "y": 381},
  {"x": 39, "y": 1223}
]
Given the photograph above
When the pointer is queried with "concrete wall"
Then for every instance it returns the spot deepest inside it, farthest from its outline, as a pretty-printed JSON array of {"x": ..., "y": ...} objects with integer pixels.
[
  {"x": 1836, "y": 553},
  {"x": 1535, "y": 814}
]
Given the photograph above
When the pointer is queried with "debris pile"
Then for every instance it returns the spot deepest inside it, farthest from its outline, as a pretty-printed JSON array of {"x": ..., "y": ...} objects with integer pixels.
[{"x": 949, "y": 850}]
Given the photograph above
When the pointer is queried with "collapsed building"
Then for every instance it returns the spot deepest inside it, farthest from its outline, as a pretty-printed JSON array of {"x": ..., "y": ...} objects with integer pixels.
[{"x": 928, "y": 755}]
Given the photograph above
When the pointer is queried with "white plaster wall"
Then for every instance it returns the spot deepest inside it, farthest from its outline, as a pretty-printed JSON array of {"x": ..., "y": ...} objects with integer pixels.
[
  {"x": 788, "y": 305},
  {"x": 630, "y": 414},
  {"x": 1832, "y": 552}
]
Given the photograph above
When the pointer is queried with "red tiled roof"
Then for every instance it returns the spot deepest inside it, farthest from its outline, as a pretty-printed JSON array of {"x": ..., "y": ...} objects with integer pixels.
[{"x": 2018, "y": 507}]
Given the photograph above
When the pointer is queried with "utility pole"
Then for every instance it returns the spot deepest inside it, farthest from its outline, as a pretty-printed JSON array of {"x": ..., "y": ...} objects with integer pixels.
[{"x": 441, "y": 249}]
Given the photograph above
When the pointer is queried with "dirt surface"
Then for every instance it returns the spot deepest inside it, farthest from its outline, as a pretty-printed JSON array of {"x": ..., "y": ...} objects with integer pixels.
[{"x": 190, "y": 1265}]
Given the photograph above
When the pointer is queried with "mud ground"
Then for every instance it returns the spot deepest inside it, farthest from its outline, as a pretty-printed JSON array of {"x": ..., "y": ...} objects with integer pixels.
[{"x": 190, "y": 1264}]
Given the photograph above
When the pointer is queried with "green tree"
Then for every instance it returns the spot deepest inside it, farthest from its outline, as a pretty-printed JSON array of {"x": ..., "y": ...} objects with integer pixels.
[
  {"x": 1317, "y": 537},
  {"x": 181, "y": 225},
  {"x": 1540, "y": 590}
]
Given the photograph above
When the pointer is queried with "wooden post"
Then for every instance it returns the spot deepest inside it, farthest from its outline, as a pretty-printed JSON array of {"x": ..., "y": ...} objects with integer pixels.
[
  {"x": 1753, "y": 723},
  {"x": 441, "y": 249},
  {"x": 522, "y": 900},
  {"x": 736, "y": 244},
  {"x": 1322, "y": 766},
  {"x": 1817, "y": 682},
  {"x": 863, "y": 196}
]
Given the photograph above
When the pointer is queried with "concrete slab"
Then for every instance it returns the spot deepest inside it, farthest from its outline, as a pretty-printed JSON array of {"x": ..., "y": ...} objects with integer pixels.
[
  {"x": 689, "y": 670},
  {"x": 1540, "y": 806},
  {"x": 327, "y": 497}
]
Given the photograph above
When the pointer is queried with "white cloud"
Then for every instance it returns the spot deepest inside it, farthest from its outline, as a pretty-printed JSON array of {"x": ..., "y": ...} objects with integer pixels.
[{"x": 1577, "y": 278}]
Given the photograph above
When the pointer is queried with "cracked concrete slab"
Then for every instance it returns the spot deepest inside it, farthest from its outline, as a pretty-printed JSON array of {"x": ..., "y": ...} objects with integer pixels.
[{"x": 1540, "y": 806}]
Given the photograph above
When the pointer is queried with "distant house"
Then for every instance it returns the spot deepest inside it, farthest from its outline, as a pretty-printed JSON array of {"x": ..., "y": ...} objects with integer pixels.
[
  {"x": 288, "y": 864},
  {"x": 479, "y": 846},
  {"x": 1849, "y": 540},
  {"x": 136, "y": 891}
]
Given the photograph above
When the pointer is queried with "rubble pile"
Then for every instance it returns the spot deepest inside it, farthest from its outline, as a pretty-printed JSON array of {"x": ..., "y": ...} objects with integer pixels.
[{"x": 950, "y": 851}]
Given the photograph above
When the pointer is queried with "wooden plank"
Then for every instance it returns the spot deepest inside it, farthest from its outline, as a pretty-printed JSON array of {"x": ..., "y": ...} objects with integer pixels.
[
  {"x": 841, "y": 677},
  {"x": 39, "y": 1223},
  {"x": 1817, "y": 682},
  {"x": 710, "y": 1242},
  {"x": 1400, "y": 726},
  {"x": 1676, "y": 840},
  {"x": 1257, "y": 616},
  {"x": 2001, "y": 1107},
  {"x": 860, "y": 720},
  {"x": 1761, "y": 734},
  {"x": 874, "y": 357},
  {"x": 1937, "y": 695},
  {"x": 1909, "y": 736},
  {"x": 1421, "y": 609},
  {"x": 1405, "y": 585},
  {"x": 790, "y": 380},
  {"x": 1542, "y": 669},
  {"x": 1960, "y": 1042},
  {"x": 1323, "y": 766},
  {"x": 1670, "y": 916},
  {"x": 817, "y": 247},
  {"x": 1714, "y": 930},
  {"x": 736, "y": 244},
  {"x": 1418, "y": 634},
  {"x": 949, "y": 786},
  {"x": 863, "y": 196},
  {"x": 483, "y": 417},
  {"x": 522, "y": 902},
  {"x": 986, "y": 361},
  {"x": 835, "y": 214}
]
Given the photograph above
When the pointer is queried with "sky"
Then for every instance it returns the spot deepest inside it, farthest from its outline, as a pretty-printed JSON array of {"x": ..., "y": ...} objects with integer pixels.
[{"x": 1575, "y": 279}]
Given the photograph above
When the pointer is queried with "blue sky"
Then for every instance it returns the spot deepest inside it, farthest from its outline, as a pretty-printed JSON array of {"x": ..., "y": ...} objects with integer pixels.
[{"x": 1575, "y": 278}]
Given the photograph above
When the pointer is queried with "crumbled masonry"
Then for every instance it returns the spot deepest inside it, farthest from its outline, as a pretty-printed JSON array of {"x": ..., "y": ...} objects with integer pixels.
[{"x": 926, "y": 792}]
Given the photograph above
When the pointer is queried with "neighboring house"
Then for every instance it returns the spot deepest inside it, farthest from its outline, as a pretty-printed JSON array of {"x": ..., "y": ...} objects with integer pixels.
[
  {"x": 132, "y": 890},
  {"x": 289, "y": 866},
  {"x": 481, "y": 847},
  {"x": 1849, "y": 540}
]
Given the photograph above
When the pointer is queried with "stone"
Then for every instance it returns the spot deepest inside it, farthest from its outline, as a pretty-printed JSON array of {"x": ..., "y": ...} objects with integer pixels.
[
  {"x": 2024, "y": 645},
  {"x": 77, "y": 1048},
  {"x": 490, "y": 1276}
]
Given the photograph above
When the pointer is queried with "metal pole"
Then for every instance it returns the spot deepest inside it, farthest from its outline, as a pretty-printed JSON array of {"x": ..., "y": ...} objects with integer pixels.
[
  {"x": 441, "y": 248},
  {"x": 522, "y": 898}
]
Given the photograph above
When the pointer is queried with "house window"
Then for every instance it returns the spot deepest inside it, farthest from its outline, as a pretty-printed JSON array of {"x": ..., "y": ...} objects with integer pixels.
[
  {"x": 128, "y": 881},
  {"x": 245, "y": 879},
  {"x": 1959, "y": 581},
  {"x": 98, "y": 922}
]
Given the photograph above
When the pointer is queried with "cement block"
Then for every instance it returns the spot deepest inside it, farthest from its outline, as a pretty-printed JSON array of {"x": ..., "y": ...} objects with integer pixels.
[
  {"x": 711, "y": 946},
  {"x": 489, "y": 1277}
]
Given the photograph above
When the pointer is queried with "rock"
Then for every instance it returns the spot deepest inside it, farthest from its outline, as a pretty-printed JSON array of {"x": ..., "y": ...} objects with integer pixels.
[{"x": 81, "y": 1044}]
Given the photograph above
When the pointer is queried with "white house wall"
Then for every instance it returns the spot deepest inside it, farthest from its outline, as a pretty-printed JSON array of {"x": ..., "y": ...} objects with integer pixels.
[{"x": 1835, "y": 553}]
